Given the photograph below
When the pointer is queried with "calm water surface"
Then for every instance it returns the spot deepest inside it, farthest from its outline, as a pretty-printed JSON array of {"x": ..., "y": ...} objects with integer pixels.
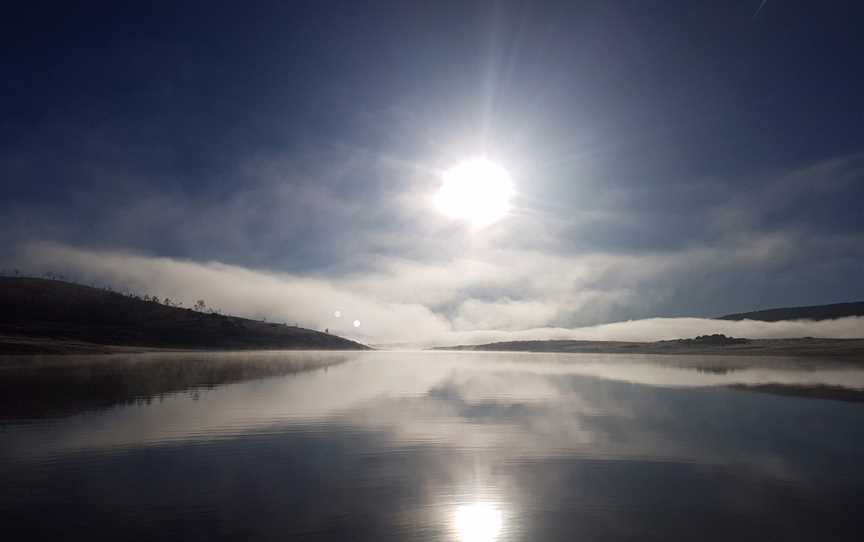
[{"x": 429, "y": 446}]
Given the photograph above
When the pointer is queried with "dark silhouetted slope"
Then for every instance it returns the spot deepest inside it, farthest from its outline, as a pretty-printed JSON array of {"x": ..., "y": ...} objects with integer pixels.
[
  {"x": 814, "y": 312},
  {"x": 59, "y": 313}
]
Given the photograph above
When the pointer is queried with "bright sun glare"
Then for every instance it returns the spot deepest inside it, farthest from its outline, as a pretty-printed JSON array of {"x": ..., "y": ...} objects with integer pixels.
[
  {"x": 477, "y": 522},
  {"x": 477, "y": 191}
]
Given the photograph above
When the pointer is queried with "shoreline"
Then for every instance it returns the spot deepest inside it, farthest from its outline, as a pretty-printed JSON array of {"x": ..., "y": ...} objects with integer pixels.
[{"x": 22, "y": 345}]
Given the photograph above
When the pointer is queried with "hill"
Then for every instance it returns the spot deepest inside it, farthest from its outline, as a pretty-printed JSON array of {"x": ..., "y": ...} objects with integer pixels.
[
  {"x": 41, "y": 315},
  {"x": 813, "y": 312}
]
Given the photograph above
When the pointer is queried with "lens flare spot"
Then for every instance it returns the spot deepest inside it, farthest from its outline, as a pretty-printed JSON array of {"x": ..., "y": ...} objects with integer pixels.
[{"x": 356, "y": 323}]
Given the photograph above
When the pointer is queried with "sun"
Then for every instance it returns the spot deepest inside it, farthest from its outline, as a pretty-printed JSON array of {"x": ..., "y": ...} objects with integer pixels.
[{"x": 477, "y": 191}]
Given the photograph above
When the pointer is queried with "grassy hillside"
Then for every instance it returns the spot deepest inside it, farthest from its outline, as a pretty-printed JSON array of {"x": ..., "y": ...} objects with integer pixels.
[
  {"x": 814, "y": 312},
  {"x": 58, "y": 312}
]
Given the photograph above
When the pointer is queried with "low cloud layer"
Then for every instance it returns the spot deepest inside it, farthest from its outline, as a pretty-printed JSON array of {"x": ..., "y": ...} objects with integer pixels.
[{"x": 410, "y": 304}]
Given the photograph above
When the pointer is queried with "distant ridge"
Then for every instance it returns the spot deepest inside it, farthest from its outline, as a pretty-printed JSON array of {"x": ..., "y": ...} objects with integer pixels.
[
  {"x": 847, "y": 349},
  {"x": 812, "y": 312},
  {"x": 54, "y": 316}
]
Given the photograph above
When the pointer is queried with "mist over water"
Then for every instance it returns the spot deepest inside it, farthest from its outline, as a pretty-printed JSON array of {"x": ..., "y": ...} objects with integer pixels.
[
  {"x": 431, "y": 446},
  {"x": 403, "y": 297}
]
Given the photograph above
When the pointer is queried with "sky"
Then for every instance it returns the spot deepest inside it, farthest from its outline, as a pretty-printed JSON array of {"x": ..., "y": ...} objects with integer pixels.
[{"x": 669, "y": 160}]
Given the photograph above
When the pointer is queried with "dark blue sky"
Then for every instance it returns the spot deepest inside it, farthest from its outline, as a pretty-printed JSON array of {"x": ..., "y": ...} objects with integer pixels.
[{"x": 298, "y": 136}]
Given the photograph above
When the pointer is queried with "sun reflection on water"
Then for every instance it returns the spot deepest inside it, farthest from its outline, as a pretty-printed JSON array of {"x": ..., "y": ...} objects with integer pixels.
[{"x": 479, "y": 522}]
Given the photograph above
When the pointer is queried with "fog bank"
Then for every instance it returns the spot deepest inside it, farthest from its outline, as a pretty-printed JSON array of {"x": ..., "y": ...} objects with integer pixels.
[{"x": 402, "y": 318}]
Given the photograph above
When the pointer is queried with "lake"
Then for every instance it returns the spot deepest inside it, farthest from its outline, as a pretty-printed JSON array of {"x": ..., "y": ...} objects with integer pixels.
[{"x": 450, "y": 446}]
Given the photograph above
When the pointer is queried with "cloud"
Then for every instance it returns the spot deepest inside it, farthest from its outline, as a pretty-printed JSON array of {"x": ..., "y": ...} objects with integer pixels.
[
  {"x": 353, "y": 230},
  {"x": 423, "y": 304},
  {"x": 656, "y": 329}
]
